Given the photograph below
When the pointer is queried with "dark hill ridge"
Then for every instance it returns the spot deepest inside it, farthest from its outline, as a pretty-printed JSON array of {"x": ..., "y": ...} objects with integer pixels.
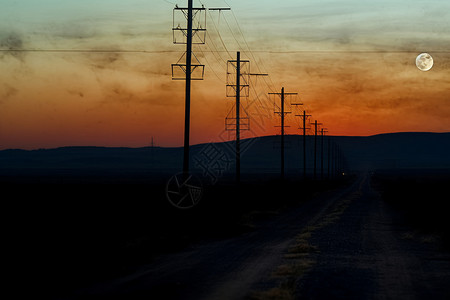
[{"x": 259, "y": 155}]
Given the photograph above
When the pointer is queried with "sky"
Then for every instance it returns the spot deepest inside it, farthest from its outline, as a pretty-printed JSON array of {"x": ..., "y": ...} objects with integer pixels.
[{"x": 98, "y": 72}]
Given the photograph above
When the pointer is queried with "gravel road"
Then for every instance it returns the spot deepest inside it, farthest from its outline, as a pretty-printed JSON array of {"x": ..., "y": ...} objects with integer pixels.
[
  {"x": 353, "y": 247},
  {"x": 369, "y": 253}
]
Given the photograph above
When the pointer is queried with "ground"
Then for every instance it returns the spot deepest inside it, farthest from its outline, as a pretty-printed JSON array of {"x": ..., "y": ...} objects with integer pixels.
[{"x": 340, "y": 242}]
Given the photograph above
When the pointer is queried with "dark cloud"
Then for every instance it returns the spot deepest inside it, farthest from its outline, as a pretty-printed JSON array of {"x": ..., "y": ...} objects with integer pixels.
[
  {"x": 106, "y": 60},
  {"x": 74, "y": 30},
  {"x": 159, "y": 94},
  {"x": 12, "y": 41}
]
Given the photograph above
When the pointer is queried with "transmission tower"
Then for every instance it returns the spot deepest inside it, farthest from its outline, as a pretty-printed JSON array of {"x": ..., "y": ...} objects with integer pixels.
[{"x": 282, "y": 113}]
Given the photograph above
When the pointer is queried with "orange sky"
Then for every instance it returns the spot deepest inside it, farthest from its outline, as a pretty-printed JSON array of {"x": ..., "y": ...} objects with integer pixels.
[{"x": 355, "y": 80}]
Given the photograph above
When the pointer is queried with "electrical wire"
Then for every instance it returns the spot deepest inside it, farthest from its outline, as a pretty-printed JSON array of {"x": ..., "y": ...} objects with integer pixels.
[{"x": 89, "y": 51}]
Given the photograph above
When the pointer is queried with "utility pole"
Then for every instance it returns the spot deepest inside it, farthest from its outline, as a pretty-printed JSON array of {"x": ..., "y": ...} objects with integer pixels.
[
  {"x": 315, "y": 147},
  {"x": 296, "y": 104},
  {"x": 323, "y": 130},
  {"x": 304, "y": 116},
  {"x": 188, "y": 67},
  {"x": 238, "y": 104},
  {"x": 329, "y": 156},
  {"x": 238, "y": 85},
  {"x": 282, "y": 133},
  {"x": 336, "y": 159},
  {"x": 282, "y": 114},
  {"x": 187, "y": 106},
  {"x": 152, "y": 152}
]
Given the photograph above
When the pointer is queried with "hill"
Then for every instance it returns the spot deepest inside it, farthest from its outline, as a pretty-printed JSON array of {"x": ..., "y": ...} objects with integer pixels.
[{"x": 216, "y": 160}]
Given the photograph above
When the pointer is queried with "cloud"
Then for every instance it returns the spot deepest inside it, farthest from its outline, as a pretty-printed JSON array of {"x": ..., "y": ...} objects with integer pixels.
[{"x": 12, "y": 41}]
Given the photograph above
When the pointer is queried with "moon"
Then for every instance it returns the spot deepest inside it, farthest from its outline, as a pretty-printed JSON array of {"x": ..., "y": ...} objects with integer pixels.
[{"x": 424, "y": 61}]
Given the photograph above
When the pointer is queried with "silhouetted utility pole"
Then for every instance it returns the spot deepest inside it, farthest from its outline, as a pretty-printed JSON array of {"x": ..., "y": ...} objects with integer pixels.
[
  {"x": 188, "y": 67},
  {"x": 187, "y": 108},
  {"x": 282, "y": 114},
  {"x": 334, "y": 146},
  {"x": 304, "y": 116},
  {"x": 315, "y": 147},
  {"x": 152, "y": 149},
  {"x": 329, "y": 156},
  {"x": 238, "y": 83},
  {"x": 238, "y": 104},
  {"x": 335, "y": 160},
  {"x": 296, "y": 104},
  {"x": 323, "y": 130}
]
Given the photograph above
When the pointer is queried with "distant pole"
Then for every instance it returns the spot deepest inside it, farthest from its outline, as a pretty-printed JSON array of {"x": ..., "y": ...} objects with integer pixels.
[
  {"x": 238, "y": 104},
  {"x": 304, "y": 116},
  {"x": 315, "y": 148},
  {"x": 304, "y": 144},
  {"x": 282, "y": 113},
  {"x": 321, "y": 155},
  {"x": 323, "y": 131},
  {"x": 336, "y": 158},
  {"x": 152, "y": 151},
  {"x": 328, "y": 154},
  {"x": 282, "y": 133},
  {"x": 187, "y": 111},
  {"x": 333, "y": 159}
]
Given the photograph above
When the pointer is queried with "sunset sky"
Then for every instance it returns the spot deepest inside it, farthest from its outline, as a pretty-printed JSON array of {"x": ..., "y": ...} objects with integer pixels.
[{"x": 352, "y": 62}]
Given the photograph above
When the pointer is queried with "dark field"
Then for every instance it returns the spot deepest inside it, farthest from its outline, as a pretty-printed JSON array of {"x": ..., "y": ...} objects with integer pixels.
[
  {"x": 421, "y": 196},
  {"x": 67, "y": 230}
]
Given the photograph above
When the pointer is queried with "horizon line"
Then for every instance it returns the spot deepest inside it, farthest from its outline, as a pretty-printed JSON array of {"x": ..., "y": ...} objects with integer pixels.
[{"x": 217, "y": 142}]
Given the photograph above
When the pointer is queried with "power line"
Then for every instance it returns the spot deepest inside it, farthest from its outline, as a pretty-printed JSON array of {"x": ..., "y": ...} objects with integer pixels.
[
  {"x": 88, "y": 51},
  {"x": 218, "y": 51},
  {"x": 220, "y": 37}
]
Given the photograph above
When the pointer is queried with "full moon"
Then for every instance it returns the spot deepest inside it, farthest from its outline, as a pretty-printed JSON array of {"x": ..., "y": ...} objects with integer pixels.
[{"x": 424, "y": 62}]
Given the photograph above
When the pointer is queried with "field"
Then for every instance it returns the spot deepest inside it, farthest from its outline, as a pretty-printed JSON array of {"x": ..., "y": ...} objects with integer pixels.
[
  {"x": 68, "y": 231},
  {"x": 421, "y": 196}
]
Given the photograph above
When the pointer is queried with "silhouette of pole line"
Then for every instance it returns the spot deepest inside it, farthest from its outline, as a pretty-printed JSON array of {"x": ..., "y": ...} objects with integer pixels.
[
  {"x": 282, "y": 113},
  {"x": 304, "y": 116},
  {"x": 315, "y": 148},
  {"x": 187, "y": 110}
]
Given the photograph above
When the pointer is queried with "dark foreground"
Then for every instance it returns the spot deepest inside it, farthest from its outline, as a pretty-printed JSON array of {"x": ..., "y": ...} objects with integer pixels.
[{"x": 121, "y": 239}]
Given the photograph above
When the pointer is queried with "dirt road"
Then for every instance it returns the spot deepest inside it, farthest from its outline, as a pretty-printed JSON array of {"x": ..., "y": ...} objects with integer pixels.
[{"x": 344, "y": 244}]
